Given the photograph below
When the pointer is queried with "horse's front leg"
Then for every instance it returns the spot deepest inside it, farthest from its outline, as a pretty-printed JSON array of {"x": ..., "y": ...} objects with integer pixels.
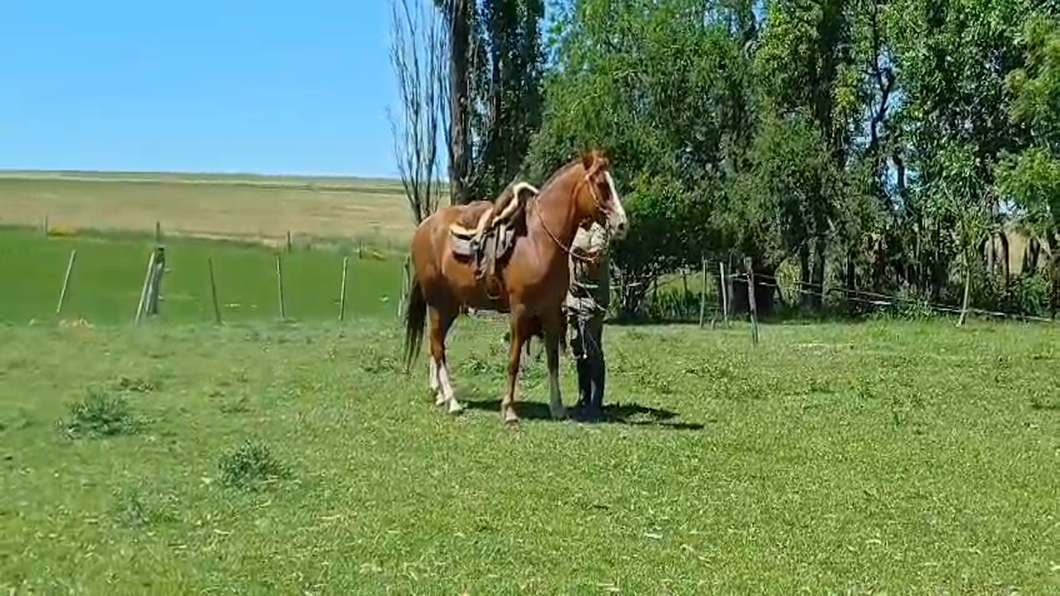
[
  {"x": 519, "y": 331},
  {"x": 553, "y": 328}
]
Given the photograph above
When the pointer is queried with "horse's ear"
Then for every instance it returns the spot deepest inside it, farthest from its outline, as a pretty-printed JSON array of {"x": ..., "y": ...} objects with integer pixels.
[
  {"x": 588, "y": 158},
  {"x": 603, "y": 160}
]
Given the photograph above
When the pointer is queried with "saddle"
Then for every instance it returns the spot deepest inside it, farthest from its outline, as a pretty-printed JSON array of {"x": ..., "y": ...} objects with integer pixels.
[{"x": 484, "y": 232}]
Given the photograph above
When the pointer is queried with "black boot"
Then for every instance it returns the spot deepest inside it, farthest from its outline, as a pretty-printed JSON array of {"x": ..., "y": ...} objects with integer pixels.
[
  {"x": 599, "y": 378},
  {"x": 595, "y": 408},
  {"x": 584, "y": 384}
]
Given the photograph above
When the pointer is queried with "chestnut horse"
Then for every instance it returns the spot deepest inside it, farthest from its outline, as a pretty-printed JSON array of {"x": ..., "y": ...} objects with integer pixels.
[{"x": 534, "y": 280}]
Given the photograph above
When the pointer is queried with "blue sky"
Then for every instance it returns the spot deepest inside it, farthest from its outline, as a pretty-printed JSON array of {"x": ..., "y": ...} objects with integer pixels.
[{"x": 220, "y": 86}]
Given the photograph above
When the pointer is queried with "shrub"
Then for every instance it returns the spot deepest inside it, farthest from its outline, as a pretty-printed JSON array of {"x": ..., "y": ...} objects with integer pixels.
[
  {"x": 250, "y": 466},
  {"x": 99, "y": 415}
]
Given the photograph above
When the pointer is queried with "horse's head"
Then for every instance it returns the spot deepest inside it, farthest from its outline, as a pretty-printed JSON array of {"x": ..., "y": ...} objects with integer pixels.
[{"x": 597, "y": 198}]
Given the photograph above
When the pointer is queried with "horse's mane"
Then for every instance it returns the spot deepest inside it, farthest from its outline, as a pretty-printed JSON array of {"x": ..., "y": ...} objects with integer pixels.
[{"x": 561, "y": 171}]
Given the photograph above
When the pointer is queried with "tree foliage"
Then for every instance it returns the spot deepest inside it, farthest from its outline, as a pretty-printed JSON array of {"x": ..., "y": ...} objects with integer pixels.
[
  {"x": 882, "y": 145},
  {"x": 495, "y": 66},
  {"x": 1031, "y": 176}
]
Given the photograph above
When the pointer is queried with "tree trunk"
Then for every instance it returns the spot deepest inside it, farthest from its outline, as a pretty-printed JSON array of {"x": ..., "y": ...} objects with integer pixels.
[
  {"x": 460, "y": 105},
  {"x": 805, "y": 283},
  {"x": 851, "y": 281},
  {"x": 1003, "y": 237},
  {"x": 817, "y": 299},
  {"x": 881, "y": 257},
  {"x": 1034, "y": 249},
  {"x": 986, "y": 248}
]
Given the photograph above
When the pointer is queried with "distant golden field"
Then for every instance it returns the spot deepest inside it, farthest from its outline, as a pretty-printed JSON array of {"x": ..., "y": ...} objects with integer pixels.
[{"x": 244, "y": 207}]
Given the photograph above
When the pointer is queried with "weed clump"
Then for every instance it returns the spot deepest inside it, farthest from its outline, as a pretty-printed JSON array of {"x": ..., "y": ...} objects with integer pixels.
[
  {"x": 251, "y": 466},
  {"x": 133, "y": 511},
  {"x": 99, "y": 415},
  {"x": 138, "y": 384}
]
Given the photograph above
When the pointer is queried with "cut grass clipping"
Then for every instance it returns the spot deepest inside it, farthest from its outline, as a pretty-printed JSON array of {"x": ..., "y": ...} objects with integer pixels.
[
  {"x": 99, "y": 415},
  {"x": 251, "y": 467}
]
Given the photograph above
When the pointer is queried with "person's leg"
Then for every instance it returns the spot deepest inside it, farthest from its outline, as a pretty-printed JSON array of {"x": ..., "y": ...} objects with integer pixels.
[
  {"x": 577, "y": 346},
  {"x": 594, "y": 337}
]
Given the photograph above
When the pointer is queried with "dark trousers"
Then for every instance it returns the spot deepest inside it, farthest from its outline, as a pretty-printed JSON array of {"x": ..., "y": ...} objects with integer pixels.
[{"x": 587, "y": 347}]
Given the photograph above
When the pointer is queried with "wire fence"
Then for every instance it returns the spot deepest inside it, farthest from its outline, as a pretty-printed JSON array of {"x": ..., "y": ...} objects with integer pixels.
[
  {"x": 114, "y": 280},
  {"x": 690, "y": 305},
  {"x": 214, "y": 281},
  {"x": 884, "y": 300}
]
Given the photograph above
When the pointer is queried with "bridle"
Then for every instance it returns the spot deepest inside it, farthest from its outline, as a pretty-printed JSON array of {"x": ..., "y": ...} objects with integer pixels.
[{"x": 594, "y": 192}]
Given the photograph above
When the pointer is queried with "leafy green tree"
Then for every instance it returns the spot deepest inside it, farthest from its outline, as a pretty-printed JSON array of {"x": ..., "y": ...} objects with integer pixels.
[
  {"x": 1031, "y": 177},
  {"x": 881, "y": 142},
  {"x": 953, "y": 59},
  {"x": 661, "y": 86},
  {"x": 496, "y": 62}
]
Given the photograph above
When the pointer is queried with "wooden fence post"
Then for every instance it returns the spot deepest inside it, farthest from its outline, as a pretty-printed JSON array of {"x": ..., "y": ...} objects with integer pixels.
[
  {"x": 66, "y": 281},
  {"x": 747, "y": 265},
  {"x": 342, "y": 292},
  {"x": 45, "y": 228},
  {"x": 406, "y": 283},
  {"x": 288, "y": 241},
  {"x": 143, "y": 290},
  {"x": 154, "y": 288},
  {"x": 967, "y": 289},
  {"x": 213, "y": 292},
  {"x": 723, "y": 283},
  {"x": 279, "y": 285},
  {"x": 703, "y": 294},
  {"x": 158, "y": 232}
]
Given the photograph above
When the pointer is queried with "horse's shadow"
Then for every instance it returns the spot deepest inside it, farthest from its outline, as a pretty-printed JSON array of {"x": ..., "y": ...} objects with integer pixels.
[{"x": 629, "y": 414}]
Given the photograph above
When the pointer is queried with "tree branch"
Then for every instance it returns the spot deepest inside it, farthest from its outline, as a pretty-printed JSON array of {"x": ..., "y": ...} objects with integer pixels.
[{"x": 417, "y": 55}]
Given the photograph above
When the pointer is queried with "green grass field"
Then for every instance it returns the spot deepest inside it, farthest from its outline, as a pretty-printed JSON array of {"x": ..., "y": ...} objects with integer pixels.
[
  {"x": 295, "y": 457},
  {"x": 881, "y": 457},
  {"x": 109, "y": 271}
]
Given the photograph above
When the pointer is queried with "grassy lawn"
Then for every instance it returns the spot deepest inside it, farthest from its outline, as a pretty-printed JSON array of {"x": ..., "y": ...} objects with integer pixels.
[
  {"x": 883, "y": 457},
  {"x": 109, "y": 272}
]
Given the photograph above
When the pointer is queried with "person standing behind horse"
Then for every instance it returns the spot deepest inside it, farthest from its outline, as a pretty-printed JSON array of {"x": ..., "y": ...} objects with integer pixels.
[{"x": 586, "y": 306}]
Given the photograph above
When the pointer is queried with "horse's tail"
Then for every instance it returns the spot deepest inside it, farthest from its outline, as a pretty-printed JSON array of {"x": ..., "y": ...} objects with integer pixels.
[{"x": 415, "y": 321}]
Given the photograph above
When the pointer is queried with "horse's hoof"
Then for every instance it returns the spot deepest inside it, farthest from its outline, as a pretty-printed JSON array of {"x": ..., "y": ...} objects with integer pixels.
[
  {"x": 455, "y": 407},
  {"x": 510, "y": 418},
  {"x": 559, "y": 414},
  {"x": 439, "y": 400}
]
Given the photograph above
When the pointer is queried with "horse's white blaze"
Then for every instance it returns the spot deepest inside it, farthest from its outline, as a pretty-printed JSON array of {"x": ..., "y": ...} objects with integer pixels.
[{"x": 619, "y": 222}]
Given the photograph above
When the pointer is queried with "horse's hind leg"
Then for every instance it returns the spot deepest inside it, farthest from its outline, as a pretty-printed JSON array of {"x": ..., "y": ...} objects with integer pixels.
[
  {"x": 440, "y": 323},
  {"x": 435, "y": 385}
]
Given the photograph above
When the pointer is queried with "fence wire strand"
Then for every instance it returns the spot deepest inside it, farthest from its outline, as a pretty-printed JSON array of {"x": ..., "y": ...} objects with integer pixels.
[
  {"x": 849, "y": 294},
  {"x": 886, "y": 300}
]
